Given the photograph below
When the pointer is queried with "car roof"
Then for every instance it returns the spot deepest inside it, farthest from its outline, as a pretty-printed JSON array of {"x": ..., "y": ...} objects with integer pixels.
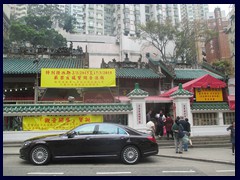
[{"x": 129, "y": 129}]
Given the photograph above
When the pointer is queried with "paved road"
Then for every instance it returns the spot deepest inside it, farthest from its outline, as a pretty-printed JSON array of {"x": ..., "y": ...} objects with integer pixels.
[{"x": 151, "y": 166}]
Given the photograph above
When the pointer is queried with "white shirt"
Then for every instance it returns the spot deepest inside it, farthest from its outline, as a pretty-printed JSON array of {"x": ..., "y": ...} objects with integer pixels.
[{"x": 151, "y": 126}]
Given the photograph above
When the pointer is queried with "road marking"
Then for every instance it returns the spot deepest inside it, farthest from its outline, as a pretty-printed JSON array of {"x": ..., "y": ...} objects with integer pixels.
[
  {"x": 190, "y": 171},
  {"x": 45, "y": 173},
  {"x": 113, "y": 173},
  {"x": 225, "y": 170}
]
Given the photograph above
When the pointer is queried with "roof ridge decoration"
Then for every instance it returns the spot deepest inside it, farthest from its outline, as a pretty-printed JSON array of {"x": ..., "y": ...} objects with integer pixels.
[
  {"x": 181, "y": 92},
  {"x": 137, "y": 92}
]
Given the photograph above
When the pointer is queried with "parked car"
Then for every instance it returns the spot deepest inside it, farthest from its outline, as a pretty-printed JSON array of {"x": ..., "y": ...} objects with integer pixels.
[{"x": 91, "y": 140}]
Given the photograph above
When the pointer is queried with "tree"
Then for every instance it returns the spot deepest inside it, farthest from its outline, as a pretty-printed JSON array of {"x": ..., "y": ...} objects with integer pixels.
[
  {"x": 185, "y": 46},
  {"x": 37, "y": 31},
  {"x": 188, "y": 37},
  {"x": 224, "y": 66},
  {"x": 58, "y": 17},
  {"x": 69, "y": 22},
  {"x": 158, "y": 35}
]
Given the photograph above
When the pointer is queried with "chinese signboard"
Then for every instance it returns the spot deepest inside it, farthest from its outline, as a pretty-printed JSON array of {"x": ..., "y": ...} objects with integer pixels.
[
  {"x": 139, "y": 114},
  {"x": 208, "y": 94},
  {"x": 65, "y": 78},
  {"x": 57, "y": 122},
  {"x": 184, "y": 109}
]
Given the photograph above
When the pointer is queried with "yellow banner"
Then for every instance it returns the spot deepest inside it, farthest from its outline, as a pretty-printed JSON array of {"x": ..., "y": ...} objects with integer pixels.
[
  {"x": 57, "y": 122},
  {"x": 65, "y": 78},
  {"x": 205, "y": 94}
]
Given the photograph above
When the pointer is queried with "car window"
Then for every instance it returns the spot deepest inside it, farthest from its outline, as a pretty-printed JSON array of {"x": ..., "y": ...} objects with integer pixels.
[
  {"x": 85, "y": 130},
  {"x": 110, "y": 129}
]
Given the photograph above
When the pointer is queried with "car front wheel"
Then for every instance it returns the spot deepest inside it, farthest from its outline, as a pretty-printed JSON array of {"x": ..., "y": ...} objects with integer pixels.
[
  {"x": 40, "y": 155},
  {"x": 130, "y": 155}
]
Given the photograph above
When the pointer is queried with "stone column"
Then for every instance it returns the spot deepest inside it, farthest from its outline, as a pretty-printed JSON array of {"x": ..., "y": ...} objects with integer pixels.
[
  {"x": 181, "y": 103},
  {"x": 220, "y": 119},
  {"x": 137, "y": 97}
]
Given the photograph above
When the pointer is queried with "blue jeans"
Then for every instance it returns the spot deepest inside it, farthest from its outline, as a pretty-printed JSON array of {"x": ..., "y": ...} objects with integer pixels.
[{"x": 185, "y": 146}]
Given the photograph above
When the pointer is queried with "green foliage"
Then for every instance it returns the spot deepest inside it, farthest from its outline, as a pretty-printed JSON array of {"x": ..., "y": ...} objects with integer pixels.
[
  {"x": 54, "y": 14},
  {"x": 37, "y": 31},
  {"x": 69, "y": 22},
  {"x": 224, "y": 65},
  {"x": 185, "y": 48}
]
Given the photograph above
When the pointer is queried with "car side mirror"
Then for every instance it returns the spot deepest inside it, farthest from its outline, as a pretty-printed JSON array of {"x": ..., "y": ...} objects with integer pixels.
[{"x": 71, "y": 134}]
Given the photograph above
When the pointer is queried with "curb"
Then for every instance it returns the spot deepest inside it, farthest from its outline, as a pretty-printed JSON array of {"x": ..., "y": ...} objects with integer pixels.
[
  {"x": 175, "y": 157},
  {"x": 198, "y": 159}
]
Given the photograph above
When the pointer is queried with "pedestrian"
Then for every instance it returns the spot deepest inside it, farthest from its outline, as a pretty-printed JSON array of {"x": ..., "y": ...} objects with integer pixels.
[
  {"x": 151, "y": 125},
  {"x": 187, "y": 130},
  {"x": 178, "y": 134},
  {"x": 160, "y": 125},
  {"x": 232, "y": 136},
  {"x": 148, "y": 117},
  {"x": 168, "y": 125}
]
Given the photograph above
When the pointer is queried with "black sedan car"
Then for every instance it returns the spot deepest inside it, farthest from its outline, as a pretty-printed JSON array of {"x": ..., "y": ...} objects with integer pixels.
[{"x": 91, "y": 140}]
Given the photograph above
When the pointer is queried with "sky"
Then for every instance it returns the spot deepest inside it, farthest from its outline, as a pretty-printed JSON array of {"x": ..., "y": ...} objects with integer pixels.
[{"x": 224, "y": 7}]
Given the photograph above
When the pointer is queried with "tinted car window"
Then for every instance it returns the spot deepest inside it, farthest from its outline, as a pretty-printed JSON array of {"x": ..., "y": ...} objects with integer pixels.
[
  {"x": 110, "y": 129},
  {"x": 87, "y": 129}
]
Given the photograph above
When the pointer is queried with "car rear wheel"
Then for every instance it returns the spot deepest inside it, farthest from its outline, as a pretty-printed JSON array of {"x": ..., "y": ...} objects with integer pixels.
[
  {"x": 130, "y": 155},
  {"x": 40, "y": 155}
]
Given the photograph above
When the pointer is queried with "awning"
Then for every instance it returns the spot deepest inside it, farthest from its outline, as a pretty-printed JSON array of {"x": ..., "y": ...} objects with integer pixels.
[
  {"x": 158, "y": 99},
  {"x": 231, "y": 102},
  {"x": 202, "y": 82}
]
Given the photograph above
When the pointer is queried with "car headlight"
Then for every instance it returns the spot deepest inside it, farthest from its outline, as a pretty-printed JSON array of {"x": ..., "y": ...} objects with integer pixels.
[{"x": 26, "y": 143}]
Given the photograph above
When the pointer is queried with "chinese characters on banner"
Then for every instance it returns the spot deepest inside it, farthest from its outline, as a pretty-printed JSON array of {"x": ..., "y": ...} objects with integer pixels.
[
  {"x": 57, "y": 122},
  {"x": 208, "y": 94},
  {"x": 63, "y": 78}
]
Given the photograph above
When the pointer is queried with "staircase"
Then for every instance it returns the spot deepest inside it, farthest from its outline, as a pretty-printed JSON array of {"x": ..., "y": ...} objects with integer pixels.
[{"x": 199, "y": 142}]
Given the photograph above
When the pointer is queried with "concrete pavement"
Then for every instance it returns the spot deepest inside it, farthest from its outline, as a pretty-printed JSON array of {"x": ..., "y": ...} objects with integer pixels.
[{"x": 13, "y": 139}]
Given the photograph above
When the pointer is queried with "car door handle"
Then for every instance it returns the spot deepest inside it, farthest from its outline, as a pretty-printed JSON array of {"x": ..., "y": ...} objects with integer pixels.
[
  {"x": 88, "y": 138},
  {"x": 122, "y": 137}
]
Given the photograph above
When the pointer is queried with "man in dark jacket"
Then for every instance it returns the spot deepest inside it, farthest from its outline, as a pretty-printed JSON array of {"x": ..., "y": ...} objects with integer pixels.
[
  {"x": 177, "y": 140},
  {"x": 186, "y": 129}
]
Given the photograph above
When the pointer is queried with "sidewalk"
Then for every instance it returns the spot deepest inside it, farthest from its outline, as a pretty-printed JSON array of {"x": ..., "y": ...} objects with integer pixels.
[{"x": 218, "y": 155}]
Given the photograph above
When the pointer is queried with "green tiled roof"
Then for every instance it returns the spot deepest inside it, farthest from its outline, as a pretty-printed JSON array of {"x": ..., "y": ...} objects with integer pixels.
[
  {"x": 137, "y": 92},
  {"x": 26, "y": 66},
  {"x": 184, "y": 74},
  {"x": 64, "y": 109},
  {"x": 189, "y": 74},
  {"x": 181, "y": 92},
  {"x": 136, "y": 73},
  {"x": 162, "y": 65},
  {"x": 210, "y": 106}
]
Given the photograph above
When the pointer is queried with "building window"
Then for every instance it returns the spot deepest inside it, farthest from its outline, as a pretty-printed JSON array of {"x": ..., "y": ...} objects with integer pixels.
[
  {"x": 205, "y": 119},
  {"x": 228, "y": 118}
]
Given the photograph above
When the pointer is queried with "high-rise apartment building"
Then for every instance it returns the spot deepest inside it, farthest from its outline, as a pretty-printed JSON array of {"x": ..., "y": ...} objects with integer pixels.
[
  {"x": 191, "y": 12},
  {"x": 109, "y": 19},
  {"x": 18, "y": 10},
  {"x": 6, "y": 20},
  {"x": 127, "y": 17}
]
